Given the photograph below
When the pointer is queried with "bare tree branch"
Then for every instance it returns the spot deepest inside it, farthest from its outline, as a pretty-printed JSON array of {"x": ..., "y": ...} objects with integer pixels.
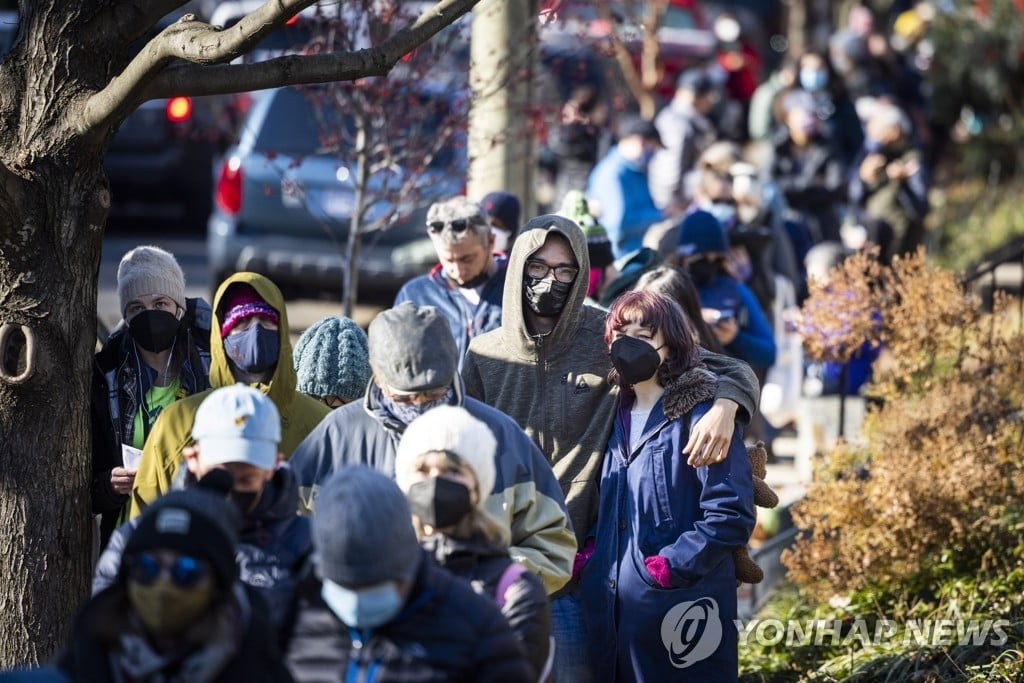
[
  {"x": 305, "y": 69},
  {"x": 147, "y": 77},
  {"x": 186, "y": 39}
]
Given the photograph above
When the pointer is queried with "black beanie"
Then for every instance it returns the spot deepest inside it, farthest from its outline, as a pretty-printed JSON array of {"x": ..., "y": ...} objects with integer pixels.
[{"x": 193, "y": 522}]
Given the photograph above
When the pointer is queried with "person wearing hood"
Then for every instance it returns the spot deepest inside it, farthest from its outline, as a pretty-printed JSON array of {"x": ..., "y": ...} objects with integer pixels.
[
  {"x": 176, "y": 610},
  {"x": 249, "y": 343},
  {"x": 467, "y": 282},
  {"x": 157, "y": 355},
  {"x": 414, "y": 362},
  {"x": 445, "y": 459},
  {"x": 238, "y": 429},
  {"x": 547, "y": 368}
]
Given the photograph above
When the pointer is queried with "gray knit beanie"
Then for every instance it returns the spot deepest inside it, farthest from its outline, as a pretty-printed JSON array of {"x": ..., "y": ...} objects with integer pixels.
[
  {"x": 149, "y": 270},
  {"x": 412, "y": 349},
  {"x": 332, "y": 358},
  {"x": 363, "y": 530}
]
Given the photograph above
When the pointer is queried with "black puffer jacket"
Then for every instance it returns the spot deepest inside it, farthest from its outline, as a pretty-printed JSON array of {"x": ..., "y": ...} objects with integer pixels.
[
  {"x": 524, "y": 603},
  {"x": 95, "y": 647},
  {"x": 274, "y": 547},
  {"x": 445, "y": 632}
]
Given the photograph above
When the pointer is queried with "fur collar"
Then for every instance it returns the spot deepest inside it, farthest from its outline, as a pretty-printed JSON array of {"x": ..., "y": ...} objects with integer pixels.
[{"x": 694, "y": 386}]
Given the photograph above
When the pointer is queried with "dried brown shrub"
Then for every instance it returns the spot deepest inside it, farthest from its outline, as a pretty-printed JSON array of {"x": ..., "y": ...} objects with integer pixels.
[{"x": 945, "y": 478}]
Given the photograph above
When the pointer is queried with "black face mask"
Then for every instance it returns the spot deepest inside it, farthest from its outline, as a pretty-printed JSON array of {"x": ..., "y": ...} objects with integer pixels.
[
  {"x": 546, "y": 297},
  {"x": 634, "y": 359},
  {"x": 439, "y": 502},
  {"x": 245, "y": 501},
  {"x": 703, "y": 271},
  {"x": 254, "y": 350},
  {"x": 154, "y": 330},
  {"x": 477, "y": 280}
]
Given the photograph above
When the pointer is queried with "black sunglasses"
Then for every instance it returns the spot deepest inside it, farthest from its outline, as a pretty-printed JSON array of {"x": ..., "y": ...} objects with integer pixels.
[
  {"x": 145, "y": 568},
  {"x": 459, "y": 225}
]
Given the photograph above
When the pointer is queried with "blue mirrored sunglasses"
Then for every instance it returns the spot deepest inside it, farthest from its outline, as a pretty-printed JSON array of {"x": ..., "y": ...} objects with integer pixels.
[{"x": 185, "y": 571}]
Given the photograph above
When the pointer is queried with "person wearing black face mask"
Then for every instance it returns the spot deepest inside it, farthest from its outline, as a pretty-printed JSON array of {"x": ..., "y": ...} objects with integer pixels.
[
  {"x": 444, "y": 460},
  {"x": 549, "y": 374},
  {"x": 238, "y": 431},
  {"x": 665, "y": 531},
  {"x": 466, "y": 284},
  {"x": 727, "y": 305},
  {"x": 155, "y": 357},
  {"x": 414, "y": 358},
  {"x": 250, "y": 343}
]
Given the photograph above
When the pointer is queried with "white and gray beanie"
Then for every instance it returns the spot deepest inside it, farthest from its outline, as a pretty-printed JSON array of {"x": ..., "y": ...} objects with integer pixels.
[{"x": 149, "y": 270}]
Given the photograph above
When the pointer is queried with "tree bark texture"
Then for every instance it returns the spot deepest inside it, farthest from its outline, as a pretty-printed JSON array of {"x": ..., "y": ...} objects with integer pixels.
[{"x": 53, "y": 204}]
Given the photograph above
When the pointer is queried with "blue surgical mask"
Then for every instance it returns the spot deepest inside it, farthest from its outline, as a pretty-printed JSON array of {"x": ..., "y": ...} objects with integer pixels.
[
  {"x": 254, "y": 350},
  {"x": 725, "y": 212},
  {"x": 813, "y": 80},
  {"x": 364, "y": 608}
]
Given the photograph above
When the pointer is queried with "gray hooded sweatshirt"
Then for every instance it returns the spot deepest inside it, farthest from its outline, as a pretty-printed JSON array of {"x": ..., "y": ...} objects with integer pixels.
[{"x": 555, "y": 385}]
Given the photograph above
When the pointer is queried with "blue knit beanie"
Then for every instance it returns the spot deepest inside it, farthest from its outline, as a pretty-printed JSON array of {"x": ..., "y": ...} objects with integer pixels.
[
  {"x": 701, "y": 233},
  {"x": 332, "y": 359}
]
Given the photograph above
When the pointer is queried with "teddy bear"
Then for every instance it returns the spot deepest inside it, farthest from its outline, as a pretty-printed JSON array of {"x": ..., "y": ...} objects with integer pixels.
[{"x": 747, "y": 571}]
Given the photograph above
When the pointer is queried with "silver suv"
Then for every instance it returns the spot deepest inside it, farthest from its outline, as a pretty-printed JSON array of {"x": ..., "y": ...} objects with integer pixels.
[{"x": 282, "y": 202}]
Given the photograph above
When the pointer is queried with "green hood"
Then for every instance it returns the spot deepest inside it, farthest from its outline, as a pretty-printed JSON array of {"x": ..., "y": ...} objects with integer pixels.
[
  {"x": 530, "y": 239},
  {"x": 281, "y": 388}
]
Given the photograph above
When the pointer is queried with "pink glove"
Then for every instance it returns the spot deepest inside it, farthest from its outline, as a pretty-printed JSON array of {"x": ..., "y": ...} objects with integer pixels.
[
  {"x": 657, "y": 567},
  {"x": 582, "y": 556}
]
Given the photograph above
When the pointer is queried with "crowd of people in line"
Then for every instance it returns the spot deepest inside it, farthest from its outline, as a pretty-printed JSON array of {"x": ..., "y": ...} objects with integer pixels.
[{"x": 534, "y": 466}]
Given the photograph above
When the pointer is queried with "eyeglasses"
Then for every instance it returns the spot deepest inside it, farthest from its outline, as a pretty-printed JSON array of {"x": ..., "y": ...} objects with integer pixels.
[
  {"x": 458, "y": 225},
  {"x": 419, "y": 397},
  {"x": 540, "y": 270},
  {"x": 185, "y": 572}
]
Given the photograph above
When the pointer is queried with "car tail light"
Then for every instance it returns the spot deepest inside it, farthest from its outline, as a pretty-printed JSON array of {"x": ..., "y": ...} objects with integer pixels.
[
  {"x": 179, "y": 109},
  {"x": 228, "y": 194}
]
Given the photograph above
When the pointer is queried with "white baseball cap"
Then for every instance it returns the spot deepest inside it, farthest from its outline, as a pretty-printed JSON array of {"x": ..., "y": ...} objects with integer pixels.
[{"x": 238, "y": 424}]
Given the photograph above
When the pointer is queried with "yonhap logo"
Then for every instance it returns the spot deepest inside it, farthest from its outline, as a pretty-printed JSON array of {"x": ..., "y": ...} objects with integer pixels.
[{"x": 691, "y": 631}]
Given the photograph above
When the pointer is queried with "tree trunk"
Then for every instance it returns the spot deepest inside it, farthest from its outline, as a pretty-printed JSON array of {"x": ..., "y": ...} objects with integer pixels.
[
  {"x": 53, "y": 205},
  {"x": 51, "y": 245},
  {"x": 64, "y": 87},
  {"x": 355, "y": 228},
  {"x": 501, "y": 139},
  {"x": 796, "y": 26}
]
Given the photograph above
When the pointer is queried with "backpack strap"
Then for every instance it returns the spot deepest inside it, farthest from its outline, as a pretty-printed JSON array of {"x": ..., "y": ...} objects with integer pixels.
[{"x": 511, "y": 574}]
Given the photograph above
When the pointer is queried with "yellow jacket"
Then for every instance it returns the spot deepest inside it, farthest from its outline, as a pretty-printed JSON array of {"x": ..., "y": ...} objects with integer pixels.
[{"x": 172, "y": 432}]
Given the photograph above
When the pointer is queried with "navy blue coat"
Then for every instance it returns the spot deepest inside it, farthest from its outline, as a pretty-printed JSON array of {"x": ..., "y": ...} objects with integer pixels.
[
  {"x": 755, "y": 342},
  {"x": 653, "y": 503},
  {"x": 445, "y": 632}
]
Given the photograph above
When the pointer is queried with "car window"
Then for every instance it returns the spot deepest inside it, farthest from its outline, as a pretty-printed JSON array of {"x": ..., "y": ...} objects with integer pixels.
[{"x": 304, "y": 122}]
